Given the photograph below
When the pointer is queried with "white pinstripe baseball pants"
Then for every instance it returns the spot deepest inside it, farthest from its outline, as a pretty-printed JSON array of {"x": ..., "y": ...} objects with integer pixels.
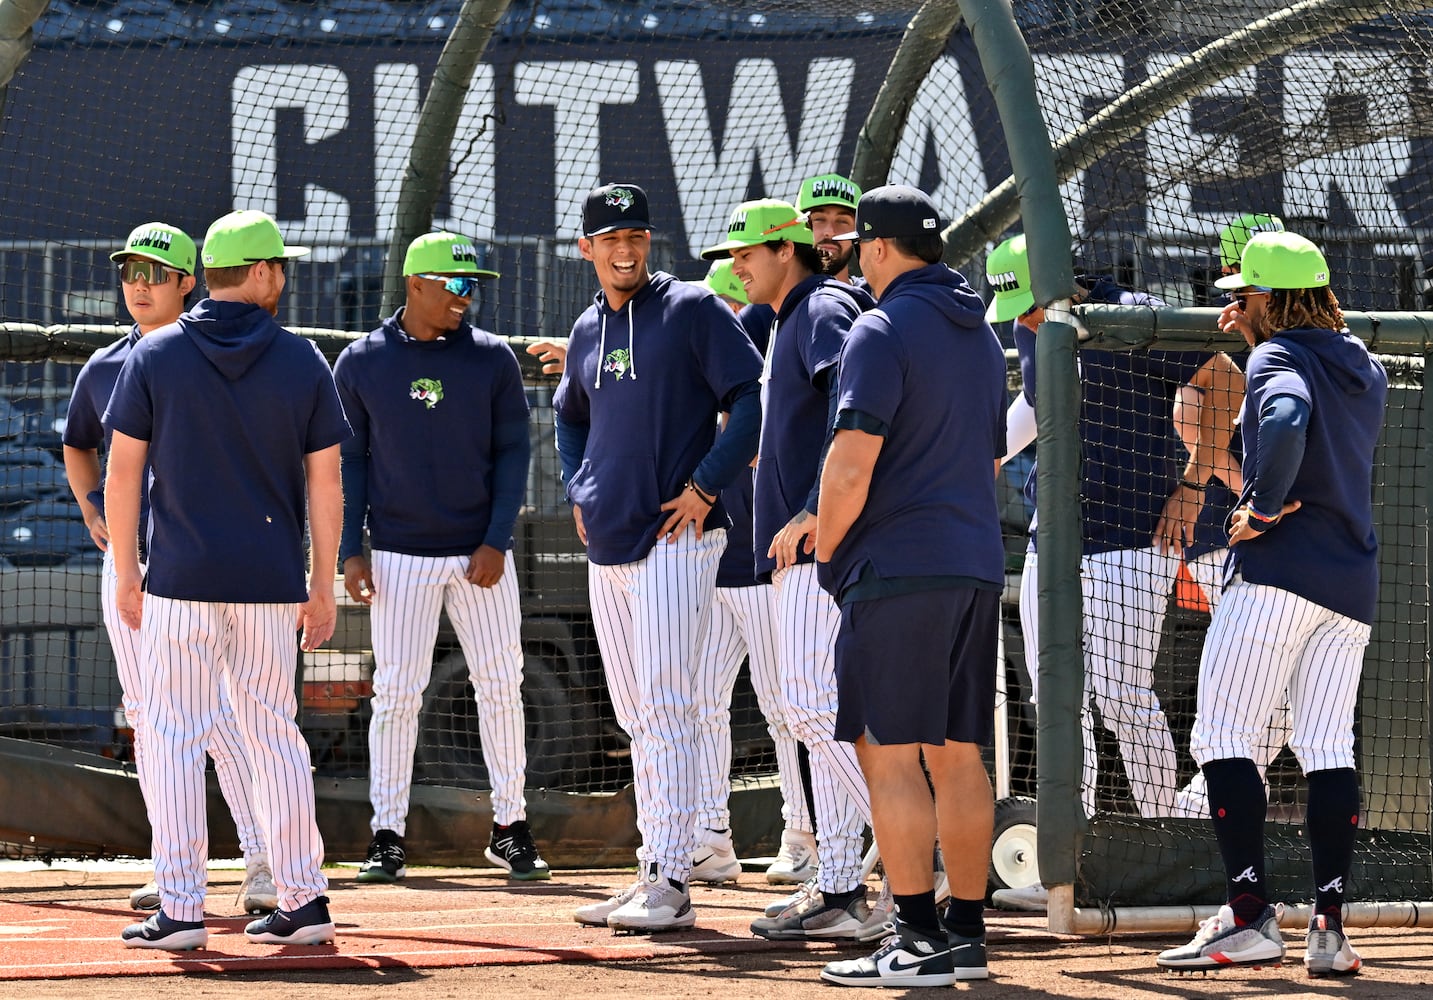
[
  {"x": 807, "y": 621},
  {"x": 1125, "y": 596},
  {"x": 192, "y": 648},
  {"x": 743, "y": 624},
  {"x": 410, "y": 593},
  {"x": 226, "y": 747},
  {"x": 651, "y": 618},
  {"x": 1263, "y": 642}
]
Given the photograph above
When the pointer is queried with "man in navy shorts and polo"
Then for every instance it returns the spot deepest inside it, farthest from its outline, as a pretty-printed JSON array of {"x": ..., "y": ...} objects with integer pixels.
[{"x": 908, "y": 542}]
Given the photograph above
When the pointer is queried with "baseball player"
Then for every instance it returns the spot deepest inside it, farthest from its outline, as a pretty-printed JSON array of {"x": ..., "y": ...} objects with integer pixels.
[
  {"x": 829, "y": 201},
  {"x": 773, "y": 253},
  {"x": 1138, "y": 505},
  {"x": 229, "y": 391},
  {"x": 650, "y": 365},
  {"x": 1298, "y": 606},
  {"x": 743, "y": 626},
  {"x": 437, "y": 467},
  {"x": 1209, "y": 545},
  {"x": 156, "y": 272},
  {"x": 908, "y": 542}
]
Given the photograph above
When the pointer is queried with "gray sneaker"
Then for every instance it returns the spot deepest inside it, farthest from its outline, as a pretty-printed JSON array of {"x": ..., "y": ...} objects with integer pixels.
[
  {"x": 1223, "y": 942},
  {"x": 780, "y": 906},
  {"x": 596, "y": 914},
  {"x": 656, "y": 905},
  {"x": 1328, "y": 952},
  {"x": 880, "y": 924},
  {"x": 812, "y": 919},
  {"x": 258, "y": 894}
]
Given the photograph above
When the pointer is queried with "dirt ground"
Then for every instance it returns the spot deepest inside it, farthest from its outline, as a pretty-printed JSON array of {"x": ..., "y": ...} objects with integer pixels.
[{"x": 1398, "y": 966}]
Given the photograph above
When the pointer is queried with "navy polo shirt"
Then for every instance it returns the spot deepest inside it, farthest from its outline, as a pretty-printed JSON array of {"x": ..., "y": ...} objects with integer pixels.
[
  {"x": 927, "y": 366},
  {"x": 432, "y": 423},
  {"x": 1325, "y": 551},
  {"x": 230, "y": 403}
]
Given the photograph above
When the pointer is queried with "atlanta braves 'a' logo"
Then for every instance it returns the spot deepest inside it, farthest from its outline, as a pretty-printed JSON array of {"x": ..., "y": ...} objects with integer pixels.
[
  {"x": 429, "y": 390},
  {"x": 621, "y": 199},
  {"x": 618, "y": 362}
]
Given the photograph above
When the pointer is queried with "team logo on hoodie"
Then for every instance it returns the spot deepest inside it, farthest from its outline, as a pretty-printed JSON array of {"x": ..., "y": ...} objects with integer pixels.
[
  {"x": 619, "y": 362},
  {"x": 429, "y": 390}
]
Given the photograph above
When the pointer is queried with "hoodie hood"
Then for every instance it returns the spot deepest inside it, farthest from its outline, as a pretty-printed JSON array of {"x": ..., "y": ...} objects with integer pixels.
[
  {"x": 1348, "y": 362},
  {"x": 943, "y": 288},
  {"x": 232, "y": 335}
]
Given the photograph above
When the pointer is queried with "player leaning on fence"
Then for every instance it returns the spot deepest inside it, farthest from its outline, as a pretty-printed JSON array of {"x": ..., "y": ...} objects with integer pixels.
[{"x": 1301, "y": 586}]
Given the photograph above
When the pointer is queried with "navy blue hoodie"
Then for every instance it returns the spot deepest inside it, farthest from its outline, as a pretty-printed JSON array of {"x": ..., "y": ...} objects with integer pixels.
[
  {"x": 230, "y": 403},
  {"x": 83, "y": 428},
  {"x": 927, "y": 365},
  {"x": 637, "y": 410},
  {"x": 1325, "y": 551}
]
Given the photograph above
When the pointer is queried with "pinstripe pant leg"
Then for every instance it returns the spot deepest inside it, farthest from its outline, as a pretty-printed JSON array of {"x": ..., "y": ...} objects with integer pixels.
[
  {"x": 235, "y": 776},
  {"x": 758, "y": 622},
  {"x": 610, "y": 591},
  {"x": 182, "y": 642},
  {"x": 1126, "y": 594},
  {"x": 488, "y": 621},
  {"x": 722, "y": 651},
  {"x": 407, "y": 600},
  {"x": 1250, "y": 652},
  {"x": 1324, "y": 692},
  {"x": 807, "y": 620},
  {"x": 261, "y": 661},
  {"x": 125, "y": 643}
]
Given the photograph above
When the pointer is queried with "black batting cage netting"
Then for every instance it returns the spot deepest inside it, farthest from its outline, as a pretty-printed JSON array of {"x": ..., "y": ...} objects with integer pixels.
[{"x": 1169, "y": 122}]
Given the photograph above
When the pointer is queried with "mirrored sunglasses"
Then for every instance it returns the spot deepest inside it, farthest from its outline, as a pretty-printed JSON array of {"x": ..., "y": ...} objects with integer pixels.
[
  {"x": 153, "y": 272},
  {"x": 461, "y": 285}
]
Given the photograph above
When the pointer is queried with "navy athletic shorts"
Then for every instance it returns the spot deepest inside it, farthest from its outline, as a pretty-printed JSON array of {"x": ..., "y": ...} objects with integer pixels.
[{"x": 918, "y": 667}]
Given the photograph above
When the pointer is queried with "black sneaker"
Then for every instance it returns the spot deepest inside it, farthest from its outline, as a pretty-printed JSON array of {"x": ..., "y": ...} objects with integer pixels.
[
  {"x": 908, "y": 958},
  {"x": 385, "y": 861},
  {"x": 309, "y": 924},
  {"x": 512, "y": 847},
  {"x": 170, "y": 935}
]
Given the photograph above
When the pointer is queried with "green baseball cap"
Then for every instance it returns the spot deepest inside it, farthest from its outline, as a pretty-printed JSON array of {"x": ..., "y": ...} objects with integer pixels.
[
  {"x": 246, "y": 238},
  {"x": 1007, "y": 272},
  {"x": 160, "y": 242},
  {"x": 1279, "y": 260},
  {"x": 1234, "y": 237},
  {"x": 444, "y": 253},
  {"x": 763, "y": 221},
  {"x": 722, "y": 279},
  {"x": 828, "y": 189}
]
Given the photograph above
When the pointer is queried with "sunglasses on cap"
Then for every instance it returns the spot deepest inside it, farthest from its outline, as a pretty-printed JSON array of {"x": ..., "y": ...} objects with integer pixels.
[
  {"x": 152, "y": 272},
  {"x": 461, "y": 285}
]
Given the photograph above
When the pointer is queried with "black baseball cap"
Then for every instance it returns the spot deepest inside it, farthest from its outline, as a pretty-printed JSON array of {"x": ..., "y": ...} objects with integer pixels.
[
  {"x": 893, "y": 210},
  {"x": 614, "y": 206}
]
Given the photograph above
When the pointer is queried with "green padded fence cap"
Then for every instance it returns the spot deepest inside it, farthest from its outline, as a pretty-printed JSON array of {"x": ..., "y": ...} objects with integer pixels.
[
  {"x": 828, "y": 189},
  {"x": 246, "y": 238}
]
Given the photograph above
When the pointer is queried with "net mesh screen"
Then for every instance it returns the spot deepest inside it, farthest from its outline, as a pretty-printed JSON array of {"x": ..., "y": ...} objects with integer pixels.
[{"x": 155, "y": 110}]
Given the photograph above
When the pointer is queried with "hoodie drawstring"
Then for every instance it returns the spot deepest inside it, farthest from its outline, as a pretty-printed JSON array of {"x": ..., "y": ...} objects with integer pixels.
[
  {"x": 601, "y": 351},
  {"x": 631, "y": 347}
]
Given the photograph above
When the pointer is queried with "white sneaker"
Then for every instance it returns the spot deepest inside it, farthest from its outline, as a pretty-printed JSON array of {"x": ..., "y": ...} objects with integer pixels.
[
  {"x": 714, "y": 860},
  {"x": 881, "y": 923},
  {"x": 258, "y": 893},
  {"x": 1222, "y": 941},
  {"x": 1031, "y": 899},
  {"x": 806, "y": 890},
  {"x": 1192, "y": 801},
  {"x": 146, "y": 897},
  {"x": 656, "y": 905},
  {"x": 796, "y": 861},
  {"x": 909, "y": 958},
  {"x": 596, "y": 914},
  {"x": 1328, "y": 952}
]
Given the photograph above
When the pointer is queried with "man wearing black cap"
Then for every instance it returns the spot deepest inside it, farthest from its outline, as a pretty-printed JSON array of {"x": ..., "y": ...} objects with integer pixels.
[
  {"x": 650, "y": 364},
  {"x": 911, "y": 550}
]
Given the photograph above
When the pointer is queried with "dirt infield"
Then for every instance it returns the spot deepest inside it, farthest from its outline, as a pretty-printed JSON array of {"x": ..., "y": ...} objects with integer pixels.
[{"x": 464, "y": 932}]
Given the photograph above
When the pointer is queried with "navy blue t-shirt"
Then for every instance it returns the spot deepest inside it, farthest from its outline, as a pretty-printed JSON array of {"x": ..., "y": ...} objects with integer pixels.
[
  {"x": 645, "y": 384},
  {"x": 84, "y": 425},
  {"x": 1325, "y": 551},
  {"x": 230, "y": 403},
  {"x": 1130, "y": 453},
  {"x": 436, "y": 421},
  {"x": 810, "y": 330},
  {"x": 927, "y": 365}
]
